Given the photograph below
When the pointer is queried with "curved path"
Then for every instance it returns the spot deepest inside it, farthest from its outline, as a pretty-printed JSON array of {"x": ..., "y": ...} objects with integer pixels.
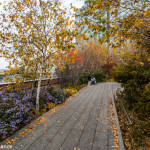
[{"x": 83, "y": 123}]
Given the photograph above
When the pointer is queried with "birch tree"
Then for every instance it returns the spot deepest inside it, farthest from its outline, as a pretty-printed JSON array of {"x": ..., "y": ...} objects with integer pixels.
[{"x": 31, "y": 35}]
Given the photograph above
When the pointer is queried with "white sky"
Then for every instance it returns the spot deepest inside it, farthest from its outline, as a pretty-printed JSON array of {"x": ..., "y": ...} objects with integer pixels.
[{"x": 77, "y": 3}]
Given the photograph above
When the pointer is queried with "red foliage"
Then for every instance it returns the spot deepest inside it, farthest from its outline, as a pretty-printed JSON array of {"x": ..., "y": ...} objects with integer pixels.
[{"x": 72, "y": 57}]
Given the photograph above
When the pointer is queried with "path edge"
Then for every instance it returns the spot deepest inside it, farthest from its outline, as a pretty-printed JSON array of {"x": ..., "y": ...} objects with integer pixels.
[
  {"x": 117, "y": 122},
  {"x": 48, "y": 113}
]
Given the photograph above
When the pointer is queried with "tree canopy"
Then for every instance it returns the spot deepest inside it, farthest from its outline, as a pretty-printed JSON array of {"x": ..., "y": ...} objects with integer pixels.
[{"x": 115, "y": 20}]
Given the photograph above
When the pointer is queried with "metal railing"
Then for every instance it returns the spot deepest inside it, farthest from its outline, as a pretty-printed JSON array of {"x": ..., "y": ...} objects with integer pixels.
[
  {"x": 126, "y": 116},
  {"x": 61, "y": 81},
  {"x": 121, "y": 143}
]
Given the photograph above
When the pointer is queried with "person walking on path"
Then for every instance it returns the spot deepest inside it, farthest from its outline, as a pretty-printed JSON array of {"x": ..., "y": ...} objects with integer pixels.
[{"x": 89, "y": 80}]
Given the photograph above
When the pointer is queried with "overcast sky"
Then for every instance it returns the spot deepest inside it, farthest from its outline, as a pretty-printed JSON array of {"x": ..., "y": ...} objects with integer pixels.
[{"x": 77, "y": 3}]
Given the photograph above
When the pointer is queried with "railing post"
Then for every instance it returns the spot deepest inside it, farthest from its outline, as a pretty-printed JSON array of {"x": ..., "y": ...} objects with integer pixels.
[
  {"x": 35, "y": 84},
  {"x": 48, "y": 82}
]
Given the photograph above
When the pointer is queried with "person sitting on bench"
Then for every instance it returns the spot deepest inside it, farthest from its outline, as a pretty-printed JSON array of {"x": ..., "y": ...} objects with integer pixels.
[{"x": 93, "y": 80}]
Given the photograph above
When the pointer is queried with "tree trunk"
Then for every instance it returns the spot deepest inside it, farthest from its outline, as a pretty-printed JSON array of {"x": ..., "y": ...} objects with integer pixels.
[
  {"x": 38, "y": 89},
  {"x": 108, "y": 19}
]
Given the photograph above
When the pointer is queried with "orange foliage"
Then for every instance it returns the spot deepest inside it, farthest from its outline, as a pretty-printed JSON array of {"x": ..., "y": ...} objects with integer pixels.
[{"x": 73, "y": 57}]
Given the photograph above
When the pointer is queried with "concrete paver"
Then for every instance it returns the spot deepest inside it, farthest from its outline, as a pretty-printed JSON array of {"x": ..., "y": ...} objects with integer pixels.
[{"x": 81, "y": 124}]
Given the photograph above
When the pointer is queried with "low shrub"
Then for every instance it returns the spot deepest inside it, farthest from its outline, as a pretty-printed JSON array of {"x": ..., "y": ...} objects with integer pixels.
[
  {"x": 17, "y": 107},
  {"x": 99, "y": 76},
  {"x": 134, "y": 74},
  {"x": 15, "y": 111},
  {"x": 59, "y": 95},
  {"x": 70, "y": 92},
  {"x": 50, "y": 105},
  {"x": 83, "y": 78},
  {"x": 80, "y": 87},
  {"x": 140, "y": 128}
]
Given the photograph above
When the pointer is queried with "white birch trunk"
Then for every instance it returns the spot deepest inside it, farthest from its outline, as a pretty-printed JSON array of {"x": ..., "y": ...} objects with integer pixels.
[
  {"x": 38, "y": 89},
  {"x": 43, "y": 61}
]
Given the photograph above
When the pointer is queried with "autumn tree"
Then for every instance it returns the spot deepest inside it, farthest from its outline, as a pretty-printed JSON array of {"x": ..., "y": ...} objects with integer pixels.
[
  {"x": 96, "y": 56},
  {"x": 133, "y": 71},
  {"x": 115, "y": 20},
  {"x": 70, "y": 64},
  {"x": 32, "y": 33}
]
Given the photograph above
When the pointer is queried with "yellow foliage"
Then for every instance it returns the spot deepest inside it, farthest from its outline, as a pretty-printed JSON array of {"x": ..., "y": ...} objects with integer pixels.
[
  {"x": 147, "y": 88},
  {"x": 66, "y": 24},
  {"x": 50, "y": 105},
  {"x": 111, "y": 80},
  {"x": 71, "y": 91},
  {"x": 141, "y": 63},
  {"x": 85, "y": 31},
  {"x": 43, "y": 110},
  {"x": 62, "y": 67},
  {"x": 147, "y": 12},
  {"x": 39, "y": 114}
]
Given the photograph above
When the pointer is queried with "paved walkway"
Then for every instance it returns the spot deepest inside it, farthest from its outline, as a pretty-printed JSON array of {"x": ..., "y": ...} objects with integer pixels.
[{"x": 81, "y": 124}]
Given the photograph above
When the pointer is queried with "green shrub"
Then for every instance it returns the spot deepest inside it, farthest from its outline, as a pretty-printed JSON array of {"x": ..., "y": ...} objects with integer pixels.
[
  {"x": 99, "y": 76},
  {"x": 50, "y": 89},
  {"x": 134, "y": 75},
  {"x": 83, "y": 78},
  {"x": 135, "y": 80},
  {"x": 80, "y": 87}
]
